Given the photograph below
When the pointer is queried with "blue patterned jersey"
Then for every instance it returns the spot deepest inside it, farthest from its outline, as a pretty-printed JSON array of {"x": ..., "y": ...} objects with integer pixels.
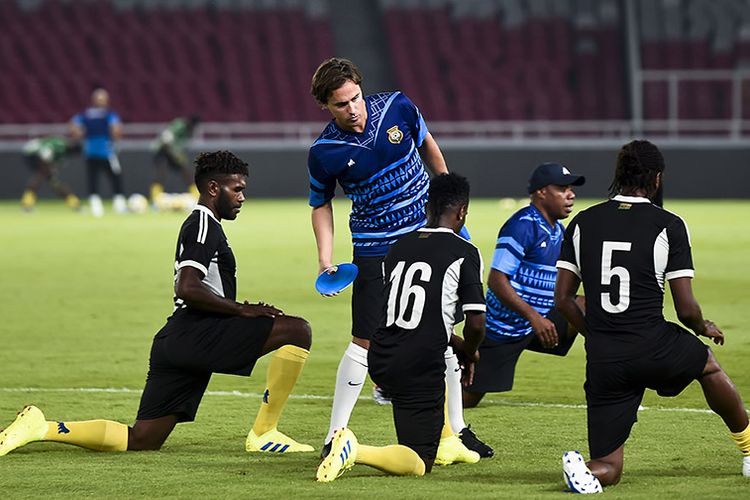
[
  {"x": 380, "y": 170},
  {"x": 527, "y": 250},
  {"x": 96, "y": 124}
]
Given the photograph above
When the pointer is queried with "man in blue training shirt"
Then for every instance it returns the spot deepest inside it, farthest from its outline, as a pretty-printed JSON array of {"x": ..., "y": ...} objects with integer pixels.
[
  {"x": 376, "y": 147},
  {"x": 520, "y": 293},
  {"x": 99, "y": 127}
]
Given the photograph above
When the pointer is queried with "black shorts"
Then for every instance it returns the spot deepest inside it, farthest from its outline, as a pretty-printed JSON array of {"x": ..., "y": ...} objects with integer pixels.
[
  {"x": 368, "y": 297},
  {"x": 417, "y": 392},
  {"x": 419, "y": 420},
  {"x": 497, "y": 360},
  {"x": 163, "y": 155},
  {"x": 614, "y": 390},
  {"x": 188, "y": 349},
  {"x": 32, "y": 161}
]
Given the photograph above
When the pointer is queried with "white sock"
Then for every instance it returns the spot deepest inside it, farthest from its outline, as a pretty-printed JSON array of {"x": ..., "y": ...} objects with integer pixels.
[
  {"x": 453, "y": 381},
  {"x": 349, "y": 380}
]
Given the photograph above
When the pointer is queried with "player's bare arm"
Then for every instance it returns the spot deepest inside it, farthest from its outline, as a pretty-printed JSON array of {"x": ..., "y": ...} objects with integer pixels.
[
  {"x": 117, "y": 131},
  {"x": 432, "y": 156},
  {"x": 322, "y": 223},
  {"x": 75, "y": 131},
  {"x": 689, "y": 311},
  {"x": 544, "y": 329},
  {"x": 190, "y": 288},
  {"x": 566, "y": 288}
]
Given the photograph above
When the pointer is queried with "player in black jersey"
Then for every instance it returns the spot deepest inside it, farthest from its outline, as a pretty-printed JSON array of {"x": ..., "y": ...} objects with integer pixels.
[
  {"x": 209, "y": 332},
  {"x": 427, "y": 274},
  {"x": 623, "y": 251}
]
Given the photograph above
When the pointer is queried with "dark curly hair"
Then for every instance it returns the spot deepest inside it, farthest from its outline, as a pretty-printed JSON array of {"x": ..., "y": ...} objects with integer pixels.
[
  {"x": 638, "y": 163},
  {"x": 446, "y": 191},
  {"x": 332, "y": 74},
  {"x": 211, "y": 165}
]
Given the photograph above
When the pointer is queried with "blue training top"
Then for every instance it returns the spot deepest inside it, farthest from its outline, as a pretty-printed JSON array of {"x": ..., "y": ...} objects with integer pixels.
[
  {"x": 380, "y": 170},
  {"x": 96, "y": 123},
  {"x": 527, "y": 250}
]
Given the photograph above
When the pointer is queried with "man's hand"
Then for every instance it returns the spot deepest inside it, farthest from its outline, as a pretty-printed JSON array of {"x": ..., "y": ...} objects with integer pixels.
[
  {"x": 261, "y": 309},
  {"x": 467, "y": 361},
  {"x": 328, "y": 269},
  {"x": 712, "y": 331},
  {"x": 546, "y": 332}
]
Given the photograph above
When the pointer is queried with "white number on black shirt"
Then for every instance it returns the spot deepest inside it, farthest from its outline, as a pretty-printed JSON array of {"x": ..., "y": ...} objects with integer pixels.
[
  {"x": 402, "y": 293},
  {"x": 608, "y": 248}
]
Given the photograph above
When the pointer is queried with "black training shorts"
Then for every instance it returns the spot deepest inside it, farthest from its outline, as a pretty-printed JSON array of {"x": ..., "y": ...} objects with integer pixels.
[
  {"x": 496, "y": 368},
  {"x": 188, "y": 349},
  {"x": 419, "y": 421},
  {"x": 614, "y": 390},
  {"x": 368, "y": 297},
  {"x": 417, "y": 395}
]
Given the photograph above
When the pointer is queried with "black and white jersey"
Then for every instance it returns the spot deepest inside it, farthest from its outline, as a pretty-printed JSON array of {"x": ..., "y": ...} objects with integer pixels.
[
  {"x": 203, "y": 245},
  {"x": 624, "y": 250},
  {"x": 427, "y": 274}
]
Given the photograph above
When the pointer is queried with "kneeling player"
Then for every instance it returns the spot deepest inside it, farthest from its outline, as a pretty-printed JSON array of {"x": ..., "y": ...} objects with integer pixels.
[
  {"x": 209, "y": 332},
  {"x": 428, "y": 272},
  {"x": 630, "y": 346},
  {"x": 520, "y": 302}
]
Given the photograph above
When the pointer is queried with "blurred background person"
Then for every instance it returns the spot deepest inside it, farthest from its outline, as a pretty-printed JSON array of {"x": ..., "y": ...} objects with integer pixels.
[
  {"x": 45, "y": 155},
  {"x": 170, "y": 152},
  {"x": 99, "y": 126}
]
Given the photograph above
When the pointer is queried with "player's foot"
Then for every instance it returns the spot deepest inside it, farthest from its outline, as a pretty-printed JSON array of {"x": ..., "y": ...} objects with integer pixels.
[
  {"x": 274, "y": 441},
  {"x": 73, "y": 202},
  {"x": 577, "y": 476},
  {"x": 746, "y": 466},
  {"x": 452, "y": 451},
  {"x": 30, "y": 425},
  {"x": 28, "y": 200},
  {"x": 96, "y": 205},
  {"x": 341, "y": 458},
  {"x": 472, "y": 442},
  {"x": 380, "y": 396},
  {"x": 120, "y": 204}
]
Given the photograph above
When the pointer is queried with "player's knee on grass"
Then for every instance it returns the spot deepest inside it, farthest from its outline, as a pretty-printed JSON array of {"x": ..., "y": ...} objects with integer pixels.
[
  {"x": 471, "y": 399},
  {"x": 608, "y": 469},
  {"x": 150, "y": 435}
]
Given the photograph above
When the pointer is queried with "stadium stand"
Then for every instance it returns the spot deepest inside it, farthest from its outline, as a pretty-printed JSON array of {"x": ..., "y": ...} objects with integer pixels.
[
  {"x": 230, "y": 61},
  {"x": 509, "y": 59},
  {"x": 698, "y": 35},
  {"x": 250, "y": 61}
]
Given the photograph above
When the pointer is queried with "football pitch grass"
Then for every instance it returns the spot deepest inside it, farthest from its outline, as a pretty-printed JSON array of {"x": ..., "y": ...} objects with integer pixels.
[{"x": 81, "y": 299}]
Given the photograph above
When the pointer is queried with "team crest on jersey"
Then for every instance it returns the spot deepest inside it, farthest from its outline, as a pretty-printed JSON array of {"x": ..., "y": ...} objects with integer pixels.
[
  {"x": 395, "y": 136},
  {"x": 624, "y": 206}
]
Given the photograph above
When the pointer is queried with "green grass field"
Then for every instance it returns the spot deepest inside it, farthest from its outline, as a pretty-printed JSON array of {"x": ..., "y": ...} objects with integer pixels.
[{"x": 82, "y": 297}]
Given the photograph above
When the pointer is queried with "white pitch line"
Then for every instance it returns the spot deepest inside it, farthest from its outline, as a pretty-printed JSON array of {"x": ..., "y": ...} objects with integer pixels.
[{"x": 240, "y": 394}]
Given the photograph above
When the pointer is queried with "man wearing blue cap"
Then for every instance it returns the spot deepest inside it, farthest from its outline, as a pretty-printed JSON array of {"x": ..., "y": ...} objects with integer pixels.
[{"x": 520, "y": 294}]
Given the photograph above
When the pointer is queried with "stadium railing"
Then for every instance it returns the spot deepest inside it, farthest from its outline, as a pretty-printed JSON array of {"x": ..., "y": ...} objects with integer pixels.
[{"x": 138, "y": 136}]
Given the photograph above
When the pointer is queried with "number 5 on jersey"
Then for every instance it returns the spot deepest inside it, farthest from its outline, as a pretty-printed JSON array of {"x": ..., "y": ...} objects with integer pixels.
[
  {"x": 608, "y": 248},
  {"x": 406, "y": 293}
]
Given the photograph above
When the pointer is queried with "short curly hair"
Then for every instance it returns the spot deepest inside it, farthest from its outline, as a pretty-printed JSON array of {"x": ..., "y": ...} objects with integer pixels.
[
  {"x": 211, "y": 165},
  {"x": 446, "y": 191}
]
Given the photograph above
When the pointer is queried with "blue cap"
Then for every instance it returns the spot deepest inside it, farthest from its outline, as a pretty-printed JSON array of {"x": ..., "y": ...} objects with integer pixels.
[{"x": 553, "y": 173}]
